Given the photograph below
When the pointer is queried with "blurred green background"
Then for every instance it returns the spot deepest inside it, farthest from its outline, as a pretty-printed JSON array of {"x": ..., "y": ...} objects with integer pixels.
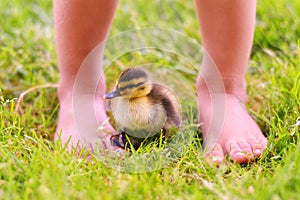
[{"x": 31, "y": 167}]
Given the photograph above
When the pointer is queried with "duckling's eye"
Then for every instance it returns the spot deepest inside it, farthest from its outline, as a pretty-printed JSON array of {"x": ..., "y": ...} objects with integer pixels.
[{"x": 142, "y": 88}]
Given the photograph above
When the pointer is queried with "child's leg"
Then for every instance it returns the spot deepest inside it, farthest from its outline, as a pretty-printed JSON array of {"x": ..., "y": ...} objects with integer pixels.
[
  {"x": 79, "y": 27},
  {"x": 227, "y": 29}
]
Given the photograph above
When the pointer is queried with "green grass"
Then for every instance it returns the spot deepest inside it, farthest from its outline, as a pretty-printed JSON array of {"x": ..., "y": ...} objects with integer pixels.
[{"x": 32, "y": 167}]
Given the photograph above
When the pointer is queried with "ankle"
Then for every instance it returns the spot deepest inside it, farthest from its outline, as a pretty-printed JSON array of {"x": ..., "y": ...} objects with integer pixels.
[
  {"x": 65, "y": 92},
  {"x": 224, "y": 85}
]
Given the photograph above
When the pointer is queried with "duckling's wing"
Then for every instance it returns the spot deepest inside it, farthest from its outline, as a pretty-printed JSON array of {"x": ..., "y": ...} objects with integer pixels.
[{"x": 164, "y": 96}]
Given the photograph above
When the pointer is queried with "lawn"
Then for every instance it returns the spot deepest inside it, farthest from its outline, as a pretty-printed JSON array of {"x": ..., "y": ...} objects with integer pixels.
[{"x": 33, "y": 167}]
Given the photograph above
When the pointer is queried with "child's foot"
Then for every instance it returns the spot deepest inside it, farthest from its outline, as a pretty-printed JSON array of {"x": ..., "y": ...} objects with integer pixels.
[
  {"x": 237, "y": 135},
  {"x": 76, "y": 125}
]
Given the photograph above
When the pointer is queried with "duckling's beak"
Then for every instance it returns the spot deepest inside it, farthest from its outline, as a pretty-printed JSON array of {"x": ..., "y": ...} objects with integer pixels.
[{"x": 112, "y": 94}]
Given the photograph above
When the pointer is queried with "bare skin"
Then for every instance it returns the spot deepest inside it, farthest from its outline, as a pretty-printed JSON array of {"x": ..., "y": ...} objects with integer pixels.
[
  {"x": 79, "y": 27},
  {"x": 227, "y": 29}
]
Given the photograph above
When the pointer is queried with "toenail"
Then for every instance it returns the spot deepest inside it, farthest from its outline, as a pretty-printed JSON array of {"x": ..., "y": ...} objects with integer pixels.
[
  {"x": 239, "y": 154},
  {"x": 257, "y": 152},
  {"x": 216, "y": 159}
]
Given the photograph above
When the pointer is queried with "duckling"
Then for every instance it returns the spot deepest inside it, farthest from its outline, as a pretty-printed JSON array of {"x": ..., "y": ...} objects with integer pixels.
[{"x": 142, "y": 108}]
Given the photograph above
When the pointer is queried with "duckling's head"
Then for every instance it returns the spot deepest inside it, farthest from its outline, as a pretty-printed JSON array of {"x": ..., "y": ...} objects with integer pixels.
[{"x": 132, "y": 83}]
